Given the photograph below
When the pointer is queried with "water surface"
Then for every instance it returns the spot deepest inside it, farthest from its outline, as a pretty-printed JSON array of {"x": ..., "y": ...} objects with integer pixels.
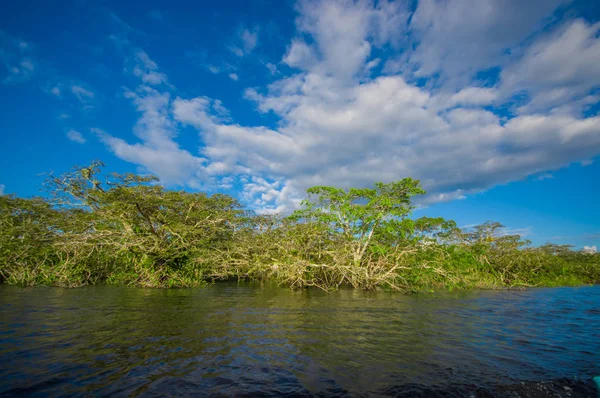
[{"x": 236, "y": 340}]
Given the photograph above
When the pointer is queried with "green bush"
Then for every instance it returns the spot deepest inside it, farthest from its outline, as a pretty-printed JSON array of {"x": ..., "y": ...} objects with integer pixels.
[{"x": 126, "y": 229}]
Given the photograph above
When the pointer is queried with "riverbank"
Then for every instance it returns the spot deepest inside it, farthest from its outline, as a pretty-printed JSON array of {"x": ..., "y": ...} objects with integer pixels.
[
  {"x": 125, "y": 229},
  {"x": 423, "y": 270}
]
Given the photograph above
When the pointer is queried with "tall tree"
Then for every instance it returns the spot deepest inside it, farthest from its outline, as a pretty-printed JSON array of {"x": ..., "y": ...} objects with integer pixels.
[{"x": 357, "y": 213}]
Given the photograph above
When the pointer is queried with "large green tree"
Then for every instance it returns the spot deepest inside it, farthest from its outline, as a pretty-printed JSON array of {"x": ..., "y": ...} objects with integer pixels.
[{"x": 357, "y": 213}]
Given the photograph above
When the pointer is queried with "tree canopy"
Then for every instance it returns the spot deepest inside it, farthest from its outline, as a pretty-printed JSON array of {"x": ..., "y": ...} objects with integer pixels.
[{"x": 98, "y": 227}]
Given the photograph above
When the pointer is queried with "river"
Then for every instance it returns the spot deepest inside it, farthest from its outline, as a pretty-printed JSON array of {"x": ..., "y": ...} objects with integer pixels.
[{"x": 249, "y": 340}]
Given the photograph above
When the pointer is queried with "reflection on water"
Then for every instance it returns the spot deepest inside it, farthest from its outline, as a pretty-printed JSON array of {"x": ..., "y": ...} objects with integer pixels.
[{"x": 250, "y": 340}]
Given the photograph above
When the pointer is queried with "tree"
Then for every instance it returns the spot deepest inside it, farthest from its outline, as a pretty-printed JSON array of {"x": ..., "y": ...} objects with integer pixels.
[
  {"x": 27, "y": 229},
  {"x": 133, "y": 216},
  {"x": 357, "y": 213}
]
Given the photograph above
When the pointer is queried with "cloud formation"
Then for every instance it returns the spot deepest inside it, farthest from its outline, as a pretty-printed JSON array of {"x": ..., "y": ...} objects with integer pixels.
[
  {"x": 157, "y": 150},
  {"x": 76, "y": 136},
  {"x": 455, "y": 39},
  {"x": 82, "y": 94},
  {"x": 247, "y": 40},
  {"x": 146, "y": 69},
  {"x": 462, "y": 95}
]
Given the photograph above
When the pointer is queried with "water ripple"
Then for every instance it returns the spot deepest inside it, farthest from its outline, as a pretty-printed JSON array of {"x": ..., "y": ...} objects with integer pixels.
[{"x": 241, "y": 340}]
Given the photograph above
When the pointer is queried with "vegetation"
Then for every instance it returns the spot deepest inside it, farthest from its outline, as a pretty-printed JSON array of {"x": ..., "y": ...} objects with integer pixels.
[{"x": 126, "y": 229}]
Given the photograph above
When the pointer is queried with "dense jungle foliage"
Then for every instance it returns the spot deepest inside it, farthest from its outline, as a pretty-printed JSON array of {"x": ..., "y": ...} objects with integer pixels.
[{"x": 94, "y": 228}]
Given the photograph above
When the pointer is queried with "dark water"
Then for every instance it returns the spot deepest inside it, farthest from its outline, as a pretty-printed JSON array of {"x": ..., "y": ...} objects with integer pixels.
[{"x": 235, "y": 340}]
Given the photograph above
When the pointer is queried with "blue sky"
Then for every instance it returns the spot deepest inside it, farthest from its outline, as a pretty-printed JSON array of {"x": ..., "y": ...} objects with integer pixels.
[{"x": 492, "y": 104}]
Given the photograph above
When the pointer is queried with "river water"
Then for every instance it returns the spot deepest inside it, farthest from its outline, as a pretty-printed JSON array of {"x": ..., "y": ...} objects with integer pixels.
[{"x": 251, "y": 340}]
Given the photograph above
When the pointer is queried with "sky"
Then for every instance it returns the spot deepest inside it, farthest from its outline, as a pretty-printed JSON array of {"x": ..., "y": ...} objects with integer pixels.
[{"x": 492, "y": 104}]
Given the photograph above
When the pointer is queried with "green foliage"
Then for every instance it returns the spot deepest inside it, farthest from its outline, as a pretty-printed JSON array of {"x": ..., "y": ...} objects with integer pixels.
[
  {"x": 127, "y": 229},
  {"x": 358, "y": 213}
]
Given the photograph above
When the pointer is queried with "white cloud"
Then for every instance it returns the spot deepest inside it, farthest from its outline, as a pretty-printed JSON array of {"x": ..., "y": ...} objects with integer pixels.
[
  {"x": 300, "y": 55},
  {"x": 66, "y": 89},
  {"x": 223, "y": 67},
  {"x": 233, "y": 76},
  {"x": 82, "y": 94},
  {"x": 237, "y": 51},
  {"x": 172, "y": 165},
  {"x": 339, "y": 125},
  {"x": 263, "y": 194},
  {"x": 247, "y": 39},
  {"x": 372, "y": 64},
  {"x": 16, "y": 56},
  {"x": 76, "y": 136},
  {"x": 348, "y": 133},
  {"x": 2, "y": 188},
  {"x": 340, "y": 30},
  {"x": 271, "y": 67},
  {"x": 474, "y": 96},
  {"x": 147, "y": 70},
  {"x": 461, "y": 37},
  {"x": 157, "y": 151},
  {"x": 559, "y": 68},
  {"x": 390, "y": 22},
  {"x": 590, "y": 249}
]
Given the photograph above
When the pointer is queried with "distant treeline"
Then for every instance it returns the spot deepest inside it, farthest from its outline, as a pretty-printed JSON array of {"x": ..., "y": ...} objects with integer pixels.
[{"x": 95, "y": 227}]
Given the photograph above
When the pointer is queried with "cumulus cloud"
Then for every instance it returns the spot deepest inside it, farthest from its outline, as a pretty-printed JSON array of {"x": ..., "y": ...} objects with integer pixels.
[
  {"x": 2, "y": 187},
  {"x": 76, "y": 136},
  {"x": 459, "y": 38},
  {"x": 340, "y": 30},
  {"x": 426, "y": 116},
  {"x": 590, "y": 249},
  {"x": 232, "y": 148},
  {"x": 157, "y": 152},
  {"x": 558, "y": 69},
  {"x": 347, "y": 132},
  {"x": 172, "y": 165},
  {"x": 474, "y": 96},
  {"x": 300, "y": 55}
]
